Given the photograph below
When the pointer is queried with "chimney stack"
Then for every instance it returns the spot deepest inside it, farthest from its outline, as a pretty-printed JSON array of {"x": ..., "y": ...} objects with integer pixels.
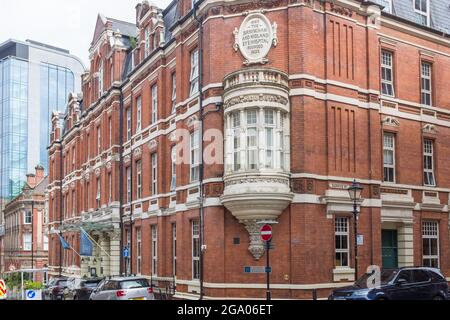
[
  {"x": 31, "y": 180},
  {"x": 39, "y": 174}
]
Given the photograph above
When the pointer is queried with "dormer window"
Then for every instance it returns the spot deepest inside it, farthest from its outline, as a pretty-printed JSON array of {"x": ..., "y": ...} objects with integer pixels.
[
  {"x": 387, "y": 5},
  {"x": 422, "y": 10}
]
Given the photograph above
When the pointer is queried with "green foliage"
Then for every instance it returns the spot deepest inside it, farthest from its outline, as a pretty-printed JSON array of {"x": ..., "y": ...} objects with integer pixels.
[
  {"x": 14, "y": 280},
  {"x": 31, "y": 285}
]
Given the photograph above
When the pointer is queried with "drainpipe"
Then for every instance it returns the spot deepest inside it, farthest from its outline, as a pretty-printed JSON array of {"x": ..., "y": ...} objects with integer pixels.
[
  {"x": 131, "y": 185},
  {"x": 202, "y": 168},
  {"x": 121, "y": 181},
  {"x": 60, "y": 202}
]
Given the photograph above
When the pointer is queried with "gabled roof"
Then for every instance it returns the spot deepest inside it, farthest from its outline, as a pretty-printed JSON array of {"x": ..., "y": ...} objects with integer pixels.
[{"x": 126, "y": 28}]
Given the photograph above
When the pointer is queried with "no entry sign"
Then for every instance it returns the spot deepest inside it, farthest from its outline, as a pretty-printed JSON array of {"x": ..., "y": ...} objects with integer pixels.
[{"x": 266, "y": 233}]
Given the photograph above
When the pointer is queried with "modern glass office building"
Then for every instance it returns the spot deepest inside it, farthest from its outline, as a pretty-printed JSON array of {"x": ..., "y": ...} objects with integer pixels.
[{"x": 35, "y": 80}]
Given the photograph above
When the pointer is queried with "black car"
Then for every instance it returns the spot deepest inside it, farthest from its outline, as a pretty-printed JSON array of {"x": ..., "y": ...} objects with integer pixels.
[
  {"x": 397, "y": 284},
  {"x": 81, "y": 289},
  {"x": 54, "y": 290}
]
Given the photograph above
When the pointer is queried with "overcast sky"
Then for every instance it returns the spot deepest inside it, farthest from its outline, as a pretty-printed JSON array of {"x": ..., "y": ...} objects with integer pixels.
[{"x": 61, "y": 23}]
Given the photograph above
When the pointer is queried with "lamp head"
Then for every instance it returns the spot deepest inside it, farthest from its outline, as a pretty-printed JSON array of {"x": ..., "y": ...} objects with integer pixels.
[{"x": 355, "y": 191}]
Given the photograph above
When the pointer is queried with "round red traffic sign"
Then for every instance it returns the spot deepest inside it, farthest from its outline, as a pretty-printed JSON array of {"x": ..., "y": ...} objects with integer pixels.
[{"x": 266, "y": 233}]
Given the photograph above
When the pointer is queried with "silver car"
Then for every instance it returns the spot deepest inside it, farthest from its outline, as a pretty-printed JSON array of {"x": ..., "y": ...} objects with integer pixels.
[{"x": 123, "y": 288}]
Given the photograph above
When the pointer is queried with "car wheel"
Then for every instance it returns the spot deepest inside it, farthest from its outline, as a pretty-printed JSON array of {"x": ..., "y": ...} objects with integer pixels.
[{"x": 438, "y": 298}]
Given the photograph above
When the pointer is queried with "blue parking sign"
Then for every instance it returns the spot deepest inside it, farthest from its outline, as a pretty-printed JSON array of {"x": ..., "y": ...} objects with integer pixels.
[{"x": 126, "y": 252}]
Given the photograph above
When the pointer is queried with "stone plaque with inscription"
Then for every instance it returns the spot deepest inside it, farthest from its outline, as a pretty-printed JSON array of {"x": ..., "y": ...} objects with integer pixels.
[{"x": 255, "y": 38}]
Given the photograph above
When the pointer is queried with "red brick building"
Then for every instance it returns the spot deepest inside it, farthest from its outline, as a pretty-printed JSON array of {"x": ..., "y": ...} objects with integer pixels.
[
  {"x": 298, "y": 99},
  {"x": 25, "y": 239}
]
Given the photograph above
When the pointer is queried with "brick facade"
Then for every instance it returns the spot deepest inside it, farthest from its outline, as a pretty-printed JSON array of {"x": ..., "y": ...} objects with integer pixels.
[{"x": 329, "y": 55}]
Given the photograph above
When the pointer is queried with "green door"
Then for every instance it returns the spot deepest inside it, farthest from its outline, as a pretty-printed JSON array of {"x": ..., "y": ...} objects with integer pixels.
[{"x": 389, "y": 241}]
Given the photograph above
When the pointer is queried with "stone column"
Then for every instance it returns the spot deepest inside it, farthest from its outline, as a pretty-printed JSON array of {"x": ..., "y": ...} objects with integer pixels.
[
  {"x": 115, "y": 252},
  {"x": 105, "y": 260},
  {"x": 406, "y": 245}
]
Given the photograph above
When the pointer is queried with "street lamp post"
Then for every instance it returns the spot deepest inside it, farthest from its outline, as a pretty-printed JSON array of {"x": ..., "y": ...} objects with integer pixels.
[{"x": 355, "y": 191}]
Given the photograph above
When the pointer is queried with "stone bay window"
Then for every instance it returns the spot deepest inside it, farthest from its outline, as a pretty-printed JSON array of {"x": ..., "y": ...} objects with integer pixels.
[{"x": 257, "y": 144}]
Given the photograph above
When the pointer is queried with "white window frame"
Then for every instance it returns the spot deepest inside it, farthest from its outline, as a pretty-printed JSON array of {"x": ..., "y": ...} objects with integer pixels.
[
  {"x": 253, "y": 148},
  {"x": 173, "y": 180},
  {"x": 430, "y": 230},
  {"x": 154, "y": 174},
  {"x": 420, "y": 11},
  {"x": 387, "y": 63},
  {"x": 138, "y": 114},
  {"x": 147, "y": 42},
  {"x": 128, "y": 174},
  {"x": 174, "y": 93},
  {"x": 73, "y": 159},
  {"x": 73, "y": 203},
  {"x": 389, "y": 146},
  {"x": 110, "y": 182},
  {"x": 45, "y": 242},
  {"x": 154, "y": 250},
  {"x": 195, "y": 225},
  {"x": 270, "y": 127},
  {"x": 28, "y": 216},
  {"x": 100, "y": 79},
  {"x": 236, "y": 124},
  {"x": 138, "y": 179},
  {"x": 428, "y": 152},
  {"x": 111, "y": 76},
  {"x": 99, "y": 190},
  {"x": 139, "y": 251},
  {"x": 194, "y": 76},
  {"x": 342, "y": 229},
  {"x": 174, "y": 249},
  {"x": 194, "y": 146},
  {"x": 27, "y": 242},
  {"x": 426, "y": 76},
  {"x": 154, "y": 103},
  {"x": 99, "y": 139},
  {"x": 129, "y": 133},
  {"x": 110, "y": 133}
]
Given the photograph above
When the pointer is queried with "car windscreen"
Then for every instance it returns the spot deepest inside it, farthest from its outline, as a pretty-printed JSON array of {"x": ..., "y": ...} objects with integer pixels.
[
  {"x": 91, "y": 285},
  {"x": 134, "y": 284},
  {"x": 62, "y": 283},
  {"x": 369, "y": 278}
]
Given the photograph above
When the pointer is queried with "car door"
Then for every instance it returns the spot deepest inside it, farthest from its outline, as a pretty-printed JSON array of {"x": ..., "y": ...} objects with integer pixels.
[
  {"x": 423, "y": 287},
  {"x": 98, "y": 293},
  {"x": 403, "y": 291}
]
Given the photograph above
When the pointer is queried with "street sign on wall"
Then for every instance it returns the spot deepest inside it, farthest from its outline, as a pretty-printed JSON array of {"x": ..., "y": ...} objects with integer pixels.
[
  {"x": 266, "y": 233},
  {"x": 257, "y": 270}
]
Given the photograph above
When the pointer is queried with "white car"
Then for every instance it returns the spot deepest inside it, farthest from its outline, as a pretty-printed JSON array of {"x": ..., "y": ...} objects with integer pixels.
[{"x": 123, "y": 288}]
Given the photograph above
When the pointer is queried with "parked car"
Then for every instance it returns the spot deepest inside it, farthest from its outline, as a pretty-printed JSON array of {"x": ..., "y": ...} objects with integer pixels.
[
  {"x": 54, "y": 290},
  {"x": 398, "y": 284},
  {"x": 81, "y": 289},
  {"x": 123, "y": 288}
]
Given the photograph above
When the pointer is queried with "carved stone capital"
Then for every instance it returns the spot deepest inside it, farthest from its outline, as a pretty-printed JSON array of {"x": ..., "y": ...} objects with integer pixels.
[{"x": 257, "y": 247}]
